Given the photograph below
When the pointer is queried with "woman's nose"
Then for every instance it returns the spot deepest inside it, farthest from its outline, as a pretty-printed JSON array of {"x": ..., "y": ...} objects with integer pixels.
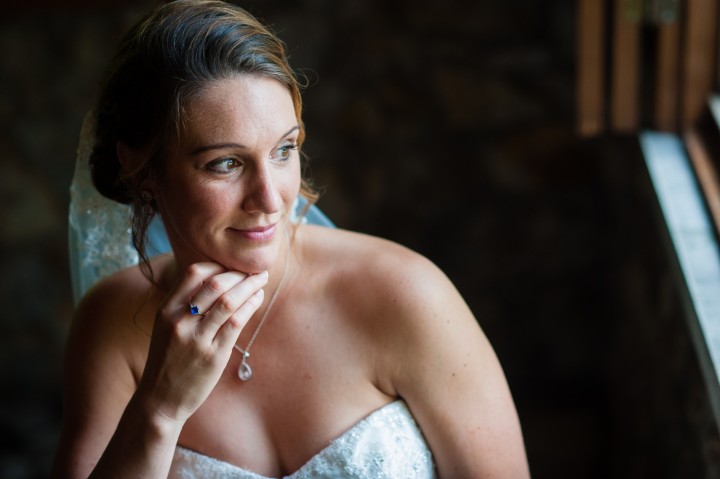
[{"x": 262, "y": 194}]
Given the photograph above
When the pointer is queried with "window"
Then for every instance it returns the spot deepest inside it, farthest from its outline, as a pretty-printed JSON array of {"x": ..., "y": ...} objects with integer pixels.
[{"x": 649, "y": 68}]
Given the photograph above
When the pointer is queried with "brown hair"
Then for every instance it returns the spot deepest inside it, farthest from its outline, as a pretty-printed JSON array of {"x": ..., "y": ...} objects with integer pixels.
[{"x": 162, "y": 62}]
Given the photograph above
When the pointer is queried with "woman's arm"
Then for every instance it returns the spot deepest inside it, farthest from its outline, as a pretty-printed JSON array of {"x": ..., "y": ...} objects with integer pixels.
[
  {"x": 442, "y": 365},
  {"x": 99, "y": 383},
  {"x": 115, "y": 426}
]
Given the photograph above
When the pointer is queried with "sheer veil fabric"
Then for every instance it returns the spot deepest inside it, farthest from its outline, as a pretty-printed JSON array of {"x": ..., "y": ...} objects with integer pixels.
[{"x": 99, "y": 229}]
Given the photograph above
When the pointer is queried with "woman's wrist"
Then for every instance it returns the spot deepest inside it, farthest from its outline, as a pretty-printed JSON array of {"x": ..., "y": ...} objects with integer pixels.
[{"x": 153, "y": 419}]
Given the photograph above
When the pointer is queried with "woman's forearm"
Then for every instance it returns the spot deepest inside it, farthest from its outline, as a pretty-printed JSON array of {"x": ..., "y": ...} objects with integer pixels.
[{"x": 142, "y": 446}]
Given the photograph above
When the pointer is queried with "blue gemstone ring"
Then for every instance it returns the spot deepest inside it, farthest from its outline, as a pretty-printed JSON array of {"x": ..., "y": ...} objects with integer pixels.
[{"x": 194, "y": 310}]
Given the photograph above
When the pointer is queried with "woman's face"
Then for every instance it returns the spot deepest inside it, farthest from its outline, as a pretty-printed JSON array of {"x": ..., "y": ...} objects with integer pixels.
[{"x": 230, "y": 180}]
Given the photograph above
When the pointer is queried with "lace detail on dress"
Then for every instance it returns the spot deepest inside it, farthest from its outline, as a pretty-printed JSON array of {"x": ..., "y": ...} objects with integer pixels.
[
  {"x": 386, "y": 444},
  {"x": 100, "y": 237}
]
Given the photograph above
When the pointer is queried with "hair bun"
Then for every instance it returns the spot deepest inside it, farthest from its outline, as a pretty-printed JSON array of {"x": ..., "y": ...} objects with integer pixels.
[{"x": 106, "y": 172}]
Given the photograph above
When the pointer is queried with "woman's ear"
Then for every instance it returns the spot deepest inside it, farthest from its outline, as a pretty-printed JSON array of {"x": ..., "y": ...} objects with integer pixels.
[
  {"x": 126, "y": 155},
  {"x": 129, "y": 160}
]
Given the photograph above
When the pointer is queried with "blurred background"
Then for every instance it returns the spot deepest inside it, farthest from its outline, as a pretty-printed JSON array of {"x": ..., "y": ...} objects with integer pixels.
[{"x": 445, "y": 126}]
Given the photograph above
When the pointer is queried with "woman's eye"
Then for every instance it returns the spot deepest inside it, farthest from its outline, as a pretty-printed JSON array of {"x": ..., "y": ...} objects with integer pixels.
[
  {"x": 224, "y": 165},
  {"x": 283, "y": 153}
]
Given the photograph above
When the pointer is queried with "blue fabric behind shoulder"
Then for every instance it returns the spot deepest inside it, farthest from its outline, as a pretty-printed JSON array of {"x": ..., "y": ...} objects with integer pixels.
[
  {"x": 157, "y": 238},
  {"x": 313, "y": 216}
]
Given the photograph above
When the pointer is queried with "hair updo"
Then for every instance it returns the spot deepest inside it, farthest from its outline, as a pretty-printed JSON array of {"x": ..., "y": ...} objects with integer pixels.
[{"x": 162, "y": 62}]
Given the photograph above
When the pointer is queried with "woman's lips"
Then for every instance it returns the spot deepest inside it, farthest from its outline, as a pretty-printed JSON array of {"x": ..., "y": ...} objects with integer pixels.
[{"x": 261, "y": 233}]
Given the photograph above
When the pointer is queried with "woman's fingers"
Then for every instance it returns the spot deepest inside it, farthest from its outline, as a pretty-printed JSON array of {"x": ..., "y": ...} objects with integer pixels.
[
  {"x": 228, "y": 333},
  {"x": 190, "y": 282},
  {"x": 212, "y": 288},
  {"x": 237, "y": 303}
]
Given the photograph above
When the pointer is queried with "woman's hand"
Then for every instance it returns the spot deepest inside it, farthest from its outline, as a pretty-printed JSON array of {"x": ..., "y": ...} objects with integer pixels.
[{"x": 188, "y": 352}]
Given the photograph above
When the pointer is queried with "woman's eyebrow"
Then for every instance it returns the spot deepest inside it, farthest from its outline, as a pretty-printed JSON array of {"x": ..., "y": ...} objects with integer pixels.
[
  {"x": 296, "y": 127},
  {"x": 221, "y": 146},
  {"x": 217, "y": 146}
]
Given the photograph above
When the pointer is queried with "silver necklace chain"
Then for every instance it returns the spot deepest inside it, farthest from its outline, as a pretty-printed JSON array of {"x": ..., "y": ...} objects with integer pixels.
[{"x": 245, "y": 372}]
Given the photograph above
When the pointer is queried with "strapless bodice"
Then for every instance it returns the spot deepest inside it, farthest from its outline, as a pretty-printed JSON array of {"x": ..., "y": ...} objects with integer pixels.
[{"x": 386, "y": 444}]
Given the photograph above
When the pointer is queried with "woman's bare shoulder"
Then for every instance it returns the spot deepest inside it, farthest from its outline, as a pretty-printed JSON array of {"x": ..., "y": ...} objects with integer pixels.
[
  {"x": 359, "y": 252},
  {"x": 117, "y": 310},
  {"x": 396, "y": 300},
  {"x": 118, "y": 292},
  {"x": 371, "y": 272}
]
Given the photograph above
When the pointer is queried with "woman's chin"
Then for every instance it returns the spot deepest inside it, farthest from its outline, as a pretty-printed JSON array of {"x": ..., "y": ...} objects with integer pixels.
[
  {"x": 238, "y": 258},
  {"x": 250, "y": 265}
]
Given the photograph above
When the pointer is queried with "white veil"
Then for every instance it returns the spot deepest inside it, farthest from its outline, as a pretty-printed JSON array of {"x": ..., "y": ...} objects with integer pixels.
[{"x": 99, "y": 229}]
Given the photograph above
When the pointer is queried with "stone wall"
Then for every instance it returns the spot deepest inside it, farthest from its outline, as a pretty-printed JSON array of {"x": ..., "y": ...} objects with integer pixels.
[{"x": 445, "y": 126}]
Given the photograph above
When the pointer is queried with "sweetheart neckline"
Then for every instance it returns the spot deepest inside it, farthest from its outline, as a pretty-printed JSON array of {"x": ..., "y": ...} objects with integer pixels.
[{"x": 333, "y": 443}]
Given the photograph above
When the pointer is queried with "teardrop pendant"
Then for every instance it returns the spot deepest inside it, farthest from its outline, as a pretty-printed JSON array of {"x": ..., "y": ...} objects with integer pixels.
[{"x": 244, "y": 371}]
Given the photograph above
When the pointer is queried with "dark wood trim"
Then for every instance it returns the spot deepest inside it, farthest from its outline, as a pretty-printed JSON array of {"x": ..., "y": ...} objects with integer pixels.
[
  {"x": 591, "y": 67},
  {"x": 625, "y": 106},
  {"x": 667, "y": 101},
  {"x": 698, "y": 68}
]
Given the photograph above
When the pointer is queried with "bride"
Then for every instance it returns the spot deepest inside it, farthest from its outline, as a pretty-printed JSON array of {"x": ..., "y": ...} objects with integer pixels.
[{"x": 259, "y": 346}]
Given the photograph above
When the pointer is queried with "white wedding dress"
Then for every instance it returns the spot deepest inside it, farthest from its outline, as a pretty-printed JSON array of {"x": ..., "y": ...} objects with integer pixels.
[{"x": 386, "y": 444}]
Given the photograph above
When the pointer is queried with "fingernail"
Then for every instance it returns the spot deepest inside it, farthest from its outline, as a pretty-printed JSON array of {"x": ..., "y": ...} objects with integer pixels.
[
  {"x": 264, "y": 275},
  {"x": 256, "y": 299}
]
